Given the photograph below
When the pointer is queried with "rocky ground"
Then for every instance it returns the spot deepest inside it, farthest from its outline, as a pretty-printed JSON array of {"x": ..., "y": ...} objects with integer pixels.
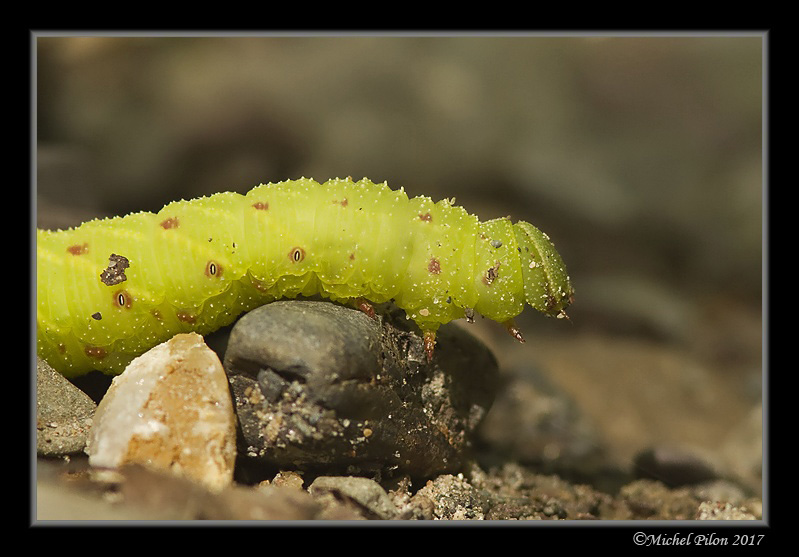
[
  {"x": 71, "y": 491},
  {"x": 539, "y": 453}
]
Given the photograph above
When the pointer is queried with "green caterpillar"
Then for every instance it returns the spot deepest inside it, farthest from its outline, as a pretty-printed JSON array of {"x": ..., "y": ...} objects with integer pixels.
[{"x": 110, "y": 289}]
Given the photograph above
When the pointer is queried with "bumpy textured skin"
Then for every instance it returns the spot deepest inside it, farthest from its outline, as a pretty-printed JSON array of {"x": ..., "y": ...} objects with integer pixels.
[{"x": 110, "y": 289}]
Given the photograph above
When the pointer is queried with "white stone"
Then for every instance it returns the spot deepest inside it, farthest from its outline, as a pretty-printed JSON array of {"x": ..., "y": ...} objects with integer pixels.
[{"x": 169, "y": 410}]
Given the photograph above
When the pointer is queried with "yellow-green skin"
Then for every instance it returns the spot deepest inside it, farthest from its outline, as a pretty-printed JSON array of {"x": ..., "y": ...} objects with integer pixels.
[{"x": 196, "y": 265}]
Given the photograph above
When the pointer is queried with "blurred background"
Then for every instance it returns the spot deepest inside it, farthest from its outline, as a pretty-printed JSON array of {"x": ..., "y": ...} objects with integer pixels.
[{"x": 641, "y": 157}]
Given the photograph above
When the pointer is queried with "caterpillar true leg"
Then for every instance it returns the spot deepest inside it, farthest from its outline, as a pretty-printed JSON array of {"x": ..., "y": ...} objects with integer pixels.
[
  {"x": 429, "y": 344},
  {"x": 513, "y": 330},
  {"x": 364, "y": 305}
]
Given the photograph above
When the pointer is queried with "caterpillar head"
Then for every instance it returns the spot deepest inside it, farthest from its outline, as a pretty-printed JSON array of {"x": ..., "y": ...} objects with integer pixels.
[{"x": 546, "y": 283}]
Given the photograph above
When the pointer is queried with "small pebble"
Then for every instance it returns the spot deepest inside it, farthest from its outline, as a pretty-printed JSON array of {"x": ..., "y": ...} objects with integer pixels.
[
  {"x": 170, "y": 410},
  {"x": 367, "y": 495},
  {"x": 287, "y": 478},
  {"x": 450, "y": 497},
  {"x": 63, "y": 413},
  {"x": 710, "y": 510}
]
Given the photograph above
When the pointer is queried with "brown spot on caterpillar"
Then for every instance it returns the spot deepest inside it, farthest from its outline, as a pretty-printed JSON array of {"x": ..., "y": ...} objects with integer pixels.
[
  {"x": 122, "y": 299},
  {"x": 115, "y": 273},
  {"x": 62, "y": 349},
  {"x": 186, "y": 317},
  {"x": 343, "y": 202},
  {"x": 213, "y": 269},
  {"x": 261, "y": 205},
  {"x": 97, "y": 315},
  {"x": 171, "y": 222},
  {"x": 297, "y": 254},
  {"x": 95, "y": 352},
  {"x": 491, "y": 274},
  {"x": 352, "y": 257},
  {"x": 79, "y": 249},
  {"x": 426, "y": 217},
  {"x": 434, "y": 266},
  {"x": 155, "y": 313}
]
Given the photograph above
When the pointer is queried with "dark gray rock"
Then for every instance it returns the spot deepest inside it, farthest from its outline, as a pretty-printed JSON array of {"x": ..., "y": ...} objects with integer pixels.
[
  {"x": 63, "y": 413},
  {"x": 326, "y": 388}
]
